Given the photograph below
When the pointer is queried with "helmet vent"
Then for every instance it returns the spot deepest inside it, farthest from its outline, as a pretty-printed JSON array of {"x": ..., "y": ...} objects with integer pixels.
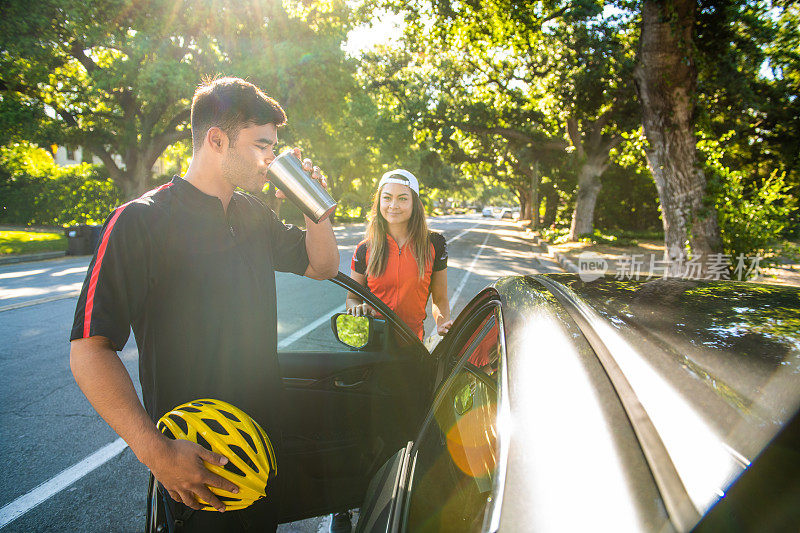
[
  {"x": 249, "y": 440},
  {"x": 166, "y": 431},
  {"x": 180, "y": 422},
  {"x": 243, "y": 456},
  {"x": 233, "y": 469},
  {"x": 229, "y": 416},
  {"x": 215, "y": 426},
  {"x": 189, "y": 409},
  {"x": 227, "y": 499},
  {"x": 203, "y": 442}
]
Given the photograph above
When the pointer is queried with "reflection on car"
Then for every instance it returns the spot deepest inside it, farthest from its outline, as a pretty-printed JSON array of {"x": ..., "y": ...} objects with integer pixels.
[{"x": 555, "y": 404}]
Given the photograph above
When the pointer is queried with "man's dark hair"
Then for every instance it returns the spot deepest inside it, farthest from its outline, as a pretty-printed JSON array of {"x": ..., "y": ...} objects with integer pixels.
[{"x": 231, "y": 104}]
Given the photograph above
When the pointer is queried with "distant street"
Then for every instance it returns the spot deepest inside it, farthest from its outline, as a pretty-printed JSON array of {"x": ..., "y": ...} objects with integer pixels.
[{"x": 49, "y": 427}]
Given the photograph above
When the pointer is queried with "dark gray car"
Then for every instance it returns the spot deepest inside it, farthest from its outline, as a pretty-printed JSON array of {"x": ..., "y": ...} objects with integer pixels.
[{"x": 557, "y": 405}]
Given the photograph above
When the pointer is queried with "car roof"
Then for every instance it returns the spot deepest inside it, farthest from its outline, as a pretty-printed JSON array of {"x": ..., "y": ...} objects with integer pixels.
[{"x": 640, "y": 402}]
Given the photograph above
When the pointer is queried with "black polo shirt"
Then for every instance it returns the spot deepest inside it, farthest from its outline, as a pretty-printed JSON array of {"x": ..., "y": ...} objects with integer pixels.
[{"x": 197, "y": 285}]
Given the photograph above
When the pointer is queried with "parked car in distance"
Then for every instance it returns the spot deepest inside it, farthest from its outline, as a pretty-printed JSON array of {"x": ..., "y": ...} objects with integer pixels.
[
  {"x": 555, "y": 404},
  {"x": 488, "y": 212},
  {"x": 509, "y": 212}
]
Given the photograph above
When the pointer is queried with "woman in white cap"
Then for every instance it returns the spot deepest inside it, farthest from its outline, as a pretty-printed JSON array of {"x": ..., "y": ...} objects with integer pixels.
[{"x": 400, "y": 261}]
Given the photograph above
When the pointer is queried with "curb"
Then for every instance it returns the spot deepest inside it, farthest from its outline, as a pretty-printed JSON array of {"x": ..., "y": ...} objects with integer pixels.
[
  {"x": 30, "y": 257},
  {"x": 538, "y": 241},
  {"x": 562, "y": 259}
]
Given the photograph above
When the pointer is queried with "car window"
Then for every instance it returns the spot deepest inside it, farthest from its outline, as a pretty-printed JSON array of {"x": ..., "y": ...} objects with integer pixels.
[
  {"x": 483, "y": 347},
  {"x": 456, "y": 454},
  {"x": 305, "y": 307}
]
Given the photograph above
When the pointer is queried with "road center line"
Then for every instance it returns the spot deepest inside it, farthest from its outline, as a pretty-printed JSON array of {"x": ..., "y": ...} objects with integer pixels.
[
  {"x": 463, "y": 233},
  {"x": 454, "y": 298},
  {"x": 53, "y": 486}
]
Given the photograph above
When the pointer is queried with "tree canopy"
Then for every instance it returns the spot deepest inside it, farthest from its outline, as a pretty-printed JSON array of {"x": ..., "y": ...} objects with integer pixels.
[
  {"x": 547, "y": 99},
  {"x": 117, "y": 76}
]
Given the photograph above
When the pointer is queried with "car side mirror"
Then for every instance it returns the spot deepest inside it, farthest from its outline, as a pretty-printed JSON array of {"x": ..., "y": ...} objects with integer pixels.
[{"x": 354, "y": 331}]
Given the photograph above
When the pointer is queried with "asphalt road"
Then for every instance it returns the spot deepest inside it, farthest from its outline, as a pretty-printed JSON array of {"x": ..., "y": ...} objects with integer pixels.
[{"x": 50, "y": 436}]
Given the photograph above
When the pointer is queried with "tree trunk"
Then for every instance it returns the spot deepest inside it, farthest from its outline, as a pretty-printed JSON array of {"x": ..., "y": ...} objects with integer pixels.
[
  {"x": 524, "y": 202},
  {"x": 550, "y": 204},
  {"x": 666, "y": 79},
  {"x": 533, "y": 215},
  {"x": 588, "y": 189},
  {"x": 133, "y": 181},
  {"x": 526, "y": 210}
]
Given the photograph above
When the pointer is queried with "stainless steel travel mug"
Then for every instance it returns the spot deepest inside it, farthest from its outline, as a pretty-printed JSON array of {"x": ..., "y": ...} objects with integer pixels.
[{"x": 286, "y": 172}]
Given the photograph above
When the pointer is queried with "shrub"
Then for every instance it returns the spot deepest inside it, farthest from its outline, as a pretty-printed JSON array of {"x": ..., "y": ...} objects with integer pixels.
[
  {"x": 554, "y": 234},
  {"x": 752, "y": 222},
  {"x": 620, "y": 237},
  {"x": 753, "y": 216},
  {"x": 35, "y": 191},
  {"x": 617, "y": 237}
]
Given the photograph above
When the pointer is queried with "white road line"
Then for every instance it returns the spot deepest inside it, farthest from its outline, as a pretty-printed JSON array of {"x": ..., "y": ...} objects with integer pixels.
[
  {"x": 454, "y": 298},
  {"x": 38, "y": 301},
  {"x": 294, "y": 337},
  {"x": 28, "y": 501},
  {"x": 463, "y": 233}
]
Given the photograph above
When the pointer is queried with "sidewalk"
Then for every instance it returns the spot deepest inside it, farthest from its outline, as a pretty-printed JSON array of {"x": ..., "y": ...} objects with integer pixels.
[{"x": 626, "y": 261}]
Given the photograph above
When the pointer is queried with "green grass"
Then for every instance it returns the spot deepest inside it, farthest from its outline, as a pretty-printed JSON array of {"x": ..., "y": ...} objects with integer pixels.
[
  {"x": 31, "y": 242},
  {"x": 616, "y": 237}
]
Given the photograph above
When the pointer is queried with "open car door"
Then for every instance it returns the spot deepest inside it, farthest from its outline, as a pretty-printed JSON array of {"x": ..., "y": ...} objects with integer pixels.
[
  {"x": 446, "y": 478},
  {"x": 347, "y": 410}
]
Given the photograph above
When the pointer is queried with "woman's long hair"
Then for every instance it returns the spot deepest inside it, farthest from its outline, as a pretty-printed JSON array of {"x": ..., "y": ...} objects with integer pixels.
[{"x": 377, "y": 229}]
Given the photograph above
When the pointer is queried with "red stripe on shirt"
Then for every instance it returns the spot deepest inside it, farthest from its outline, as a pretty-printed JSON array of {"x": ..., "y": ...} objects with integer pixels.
[{"x": 101, "y": 252}]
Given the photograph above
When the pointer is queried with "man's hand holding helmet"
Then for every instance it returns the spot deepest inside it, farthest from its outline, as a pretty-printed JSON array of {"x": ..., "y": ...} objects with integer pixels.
[{"x": 178, "y": 465}]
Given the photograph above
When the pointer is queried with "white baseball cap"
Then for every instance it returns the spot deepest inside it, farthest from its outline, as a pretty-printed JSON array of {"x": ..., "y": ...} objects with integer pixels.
[{"x": 403, "y": 177}]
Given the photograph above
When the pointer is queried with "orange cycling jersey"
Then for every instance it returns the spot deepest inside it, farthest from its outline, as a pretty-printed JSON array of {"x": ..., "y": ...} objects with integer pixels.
[{"x": 399, "y": 286}]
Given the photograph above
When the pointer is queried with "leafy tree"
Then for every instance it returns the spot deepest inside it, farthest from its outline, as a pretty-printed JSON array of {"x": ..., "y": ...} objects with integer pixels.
[
  {"x": 666, "y": 81},
  {"x": 595, "y": 101},
  {"x": 748, "y": 56},
  {"x": 753, "y": 216},
  {"x": 549, "y": 80},
  {"x": 116, "y": 76},
  {"x": 422, "y": 79},
  {"x": 629, "y": 199},
  {"x": 701, "y": 71}
]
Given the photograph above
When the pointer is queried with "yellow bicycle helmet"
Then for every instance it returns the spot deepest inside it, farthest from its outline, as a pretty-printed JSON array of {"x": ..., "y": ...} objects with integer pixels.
[{"x": 224, "y": 429}]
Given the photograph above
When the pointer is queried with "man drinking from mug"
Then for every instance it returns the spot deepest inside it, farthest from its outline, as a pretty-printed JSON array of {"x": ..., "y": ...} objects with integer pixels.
[{"x": 190, "y": 266}]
